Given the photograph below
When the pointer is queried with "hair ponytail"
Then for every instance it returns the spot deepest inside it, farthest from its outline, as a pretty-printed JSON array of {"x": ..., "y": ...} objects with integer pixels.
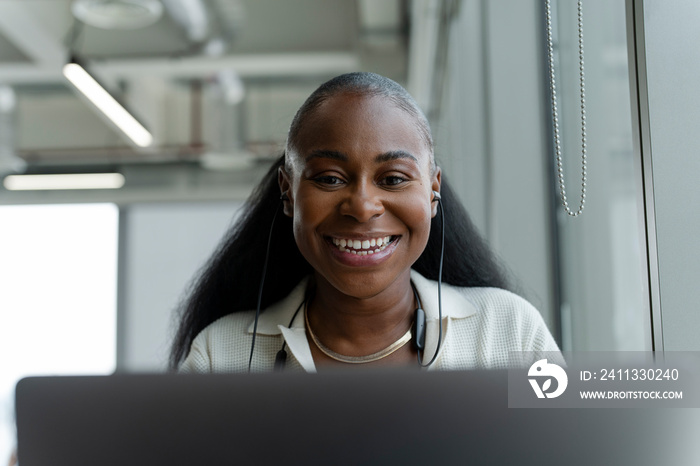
[{"x": 230, "y": 280}]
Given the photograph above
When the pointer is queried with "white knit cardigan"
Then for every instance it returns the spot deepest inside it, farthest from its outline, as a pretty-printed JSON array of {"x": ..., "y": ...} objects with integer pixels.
[{"x": 483, "y": 328}]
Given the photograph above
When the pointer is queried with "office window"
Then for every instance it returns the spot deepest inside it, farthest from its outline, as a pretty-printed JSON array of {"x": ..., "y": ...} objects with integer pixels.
[
  {"x": 602, "y": 264},
  {"x": 58, "y": 276}
]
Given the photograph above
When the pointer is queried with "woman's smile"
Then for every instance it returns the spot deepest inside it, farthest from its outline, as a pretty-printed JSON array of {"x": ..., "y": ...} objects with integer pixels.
[
  {"x": 365, "y": 251},
  {"x": 362, "y": 246}
]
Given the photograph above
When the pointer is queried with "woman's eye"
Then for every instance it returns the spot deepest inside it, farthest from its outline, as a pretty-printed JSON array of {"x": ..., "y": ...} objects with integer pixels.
[
  {"x": 328, "y": 179},
  {"x": 394, "y": 180}
]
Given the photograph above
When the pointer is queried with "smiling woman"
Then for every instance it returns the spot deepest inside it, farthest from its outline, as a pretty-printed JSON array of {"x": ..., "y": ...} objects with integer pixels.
[{"x": 355, "y": 256}]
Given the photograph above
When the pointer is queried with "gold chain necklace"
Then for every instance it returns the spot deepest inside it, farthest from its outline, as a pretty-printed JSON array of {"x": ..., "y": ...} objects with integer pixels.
[{"x": 392, "y": 348}]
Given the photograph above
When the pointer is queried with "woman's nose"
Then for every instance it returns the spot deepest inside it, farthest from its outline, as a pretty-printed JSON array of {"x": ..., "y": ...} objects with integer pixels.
[{"x": 362, "y": 203}]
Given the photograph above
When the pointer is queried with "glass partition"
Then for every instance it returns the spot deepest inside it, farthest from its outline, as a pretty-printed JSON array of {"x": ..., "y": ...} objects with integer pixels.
[{"x": 601, "y": 260}]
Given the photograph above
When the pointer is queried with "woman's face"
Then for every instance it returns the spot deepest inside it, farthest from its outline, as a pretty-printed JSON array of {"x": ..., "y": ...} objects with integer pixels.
[{"x": 360, "y": 192}]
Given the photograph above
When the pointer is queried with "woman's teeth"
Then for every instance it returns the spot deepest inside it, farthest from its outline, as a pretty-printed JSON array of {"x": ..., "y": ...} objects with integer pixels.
[{"x": 362, "y": 248}]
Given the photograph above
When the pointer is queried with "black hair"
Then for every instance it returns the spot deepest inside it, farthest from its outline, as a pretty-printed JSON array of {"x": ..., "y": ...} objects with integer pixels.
[{"x": 230, "y": 280}]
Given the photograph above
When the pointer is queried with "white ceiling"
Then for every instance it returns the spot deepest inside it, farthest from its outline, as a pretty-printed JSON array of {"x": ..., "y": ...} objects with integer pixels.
[
  {"x": 281, "y": 48},
  {"x": 38, "y": 31}
]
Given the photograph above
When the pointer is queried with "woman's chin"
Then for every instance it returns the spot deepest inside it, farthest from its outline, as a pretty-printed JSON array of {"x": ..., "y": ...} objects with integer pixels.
[{"x": 362, "y": 284}]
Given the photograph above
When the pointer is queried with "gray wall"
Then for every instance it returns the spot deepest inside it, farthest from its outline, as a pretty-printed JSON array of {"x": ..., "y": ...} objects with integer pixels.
[{"x": 162, "y": 247}]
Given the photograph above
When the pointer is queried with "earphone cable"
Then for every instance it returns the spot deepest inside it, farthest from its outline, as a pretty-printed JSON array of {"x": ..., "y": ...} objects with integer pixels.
[
  {"x": 281, "y": 357},
  {"x": 262, "y": 284},
  {"x": 442, "y": 256}
]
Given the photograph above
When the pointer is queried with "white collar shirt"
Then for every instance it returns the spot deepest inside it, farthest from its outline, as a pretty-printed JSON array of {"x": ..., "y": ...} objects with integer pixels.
[{"x": 481, "y": 326}]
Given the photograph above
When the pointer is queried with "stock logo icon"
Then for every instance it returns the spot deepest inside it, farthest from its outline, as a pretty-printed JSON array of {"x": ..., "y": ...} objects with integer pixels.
[{"x": 544, "y": 371}]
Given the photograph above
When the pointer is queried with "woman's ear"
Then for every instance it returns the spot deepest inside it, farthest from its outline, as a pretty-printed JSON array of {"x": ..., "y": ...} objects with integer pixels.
[
  {"x": 285, "y": 190},
  {"x": 435, "y": 187}
]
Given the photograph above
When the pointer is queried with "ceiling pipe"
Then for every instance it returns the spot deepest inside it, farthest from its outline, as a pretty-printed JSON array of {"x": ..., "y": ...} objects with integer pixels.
[{"x": 192, "y": 16}]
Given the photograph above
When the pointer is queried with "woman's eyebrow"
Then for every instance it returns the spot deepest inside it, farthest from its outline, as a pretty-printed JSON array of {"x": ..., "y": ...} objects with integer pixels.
[
  {"x": 393, "y": 155},
  {"x": 327, "y": 154}
]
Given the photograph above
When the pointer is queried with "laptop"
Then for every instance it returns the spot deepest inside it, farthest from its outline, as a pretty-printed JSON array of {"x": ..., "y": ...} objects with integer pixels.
[{"x": 357, "y": 417}]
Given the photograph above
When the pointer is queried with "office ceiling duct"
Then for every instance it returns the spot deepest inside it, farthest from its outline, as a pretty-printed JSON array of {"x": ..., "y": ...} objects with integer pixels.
[
  {"x": 209, "y": 24},
  {"x": 118, "y": 14},
  {"x": 193, "y": 16},
  {"x": 227, "y": 150}
]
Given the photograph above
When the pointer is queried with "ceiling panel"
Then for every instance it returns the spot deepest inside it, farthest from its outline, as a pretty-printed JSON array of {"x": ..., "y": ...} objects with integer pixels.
[
  {"x": 56, "y": 119},
  {"x": 53, "y": 15},
  {"x": 9, "y": 53},
  {"x": 269, "y": 26},
  {"x": 298, "y": 25},
  {"x": 282, "y": 49}
]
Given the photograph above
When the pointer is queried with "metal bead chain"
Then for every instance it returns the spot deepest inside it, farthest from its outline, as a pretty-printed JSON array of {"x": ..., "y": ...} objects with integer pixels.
[{"x": 555, "y": 113}]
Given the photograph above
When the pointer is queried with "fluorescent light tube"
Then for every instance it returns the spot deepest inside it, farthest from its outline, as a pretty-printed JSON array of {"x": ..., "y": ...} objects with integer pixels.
[
  {"x": 68, "y": 181},
  {"x": 107, "y": 104}
]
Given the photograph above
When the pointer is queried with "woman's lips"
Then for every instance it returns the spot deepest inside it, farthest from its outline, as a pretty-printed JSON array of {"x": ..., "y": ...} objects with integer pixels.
[{"x": 366, "y": 251}]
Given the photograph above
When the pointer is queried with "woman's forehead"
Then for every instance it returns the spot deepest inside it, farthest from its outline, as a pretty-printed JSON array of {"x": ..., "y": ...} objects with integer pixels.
[{"x": 350, "y": 123}]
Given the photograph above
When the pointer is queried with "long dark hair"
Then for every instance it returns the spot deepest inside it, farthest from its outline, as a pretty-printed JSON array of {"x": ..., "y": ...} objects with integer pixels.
[{"x": 230, "y": 280}]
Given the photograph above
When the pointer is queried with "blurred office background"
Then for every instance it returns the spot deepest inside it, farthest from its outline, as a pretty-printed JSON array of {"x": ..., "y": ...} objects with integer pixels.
[{"x": 90, "y": 278}]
